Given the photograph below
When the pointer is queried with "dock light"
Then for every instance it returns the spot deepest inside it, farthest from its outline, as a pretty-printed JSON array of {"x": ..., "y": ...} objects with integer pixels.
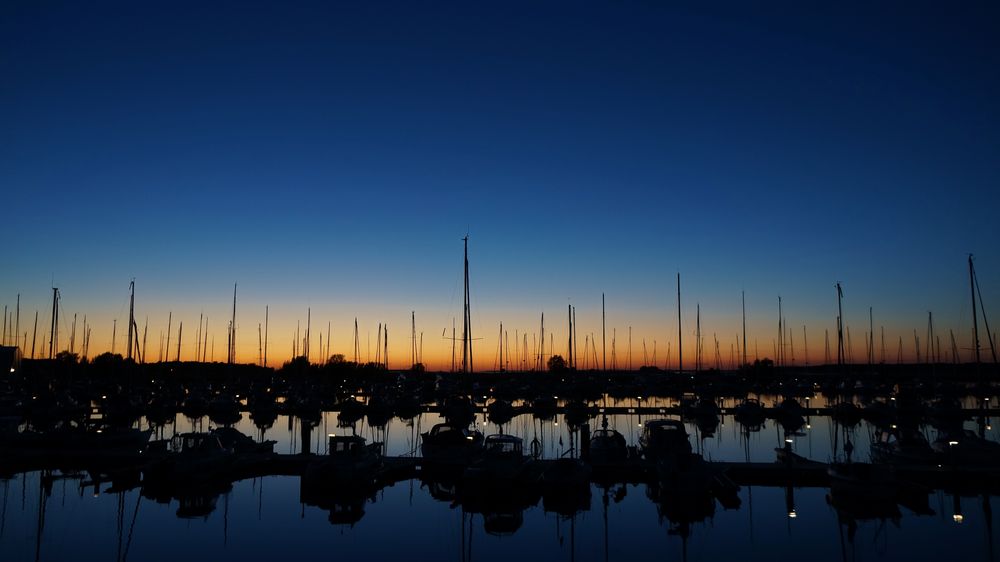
[
  {"x": 469, "y": 437},
  {"x": 792, "y": 514},
  {"x": 638, "y": 397},
  {"x": 958, "y": 518},
  {"x": 557, "y": 424},
  {"x": 104, "y": 397},
  {"x": 989, "y": 427},
  {"x": 788, "y": 440},
  {"x": 12, "y": 369},
  {"x": 952, "y": 443},
  {"x": 894, "y": 426},
  {"x": 809, "y": 426},
  {"x": 893, "y": 398},
  {"x": 554, "y": 397}
]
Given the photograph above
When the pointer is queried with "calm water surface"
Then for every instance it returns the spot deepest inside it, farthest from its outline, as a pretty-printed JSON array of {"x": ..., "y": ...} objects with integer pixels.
[{"x": 264, "y": 518}]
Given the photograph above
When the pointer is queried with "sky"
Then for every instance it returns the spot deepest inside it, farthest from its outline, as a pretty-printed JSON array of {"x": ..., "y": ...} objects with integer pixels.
[{"x": 330, "y": 157}]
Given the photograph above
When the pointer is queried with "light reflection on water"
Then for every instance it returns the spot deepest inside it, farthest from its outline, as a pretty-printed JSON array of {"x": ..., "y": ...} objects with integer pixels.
[{"x": 263, "y": 518}]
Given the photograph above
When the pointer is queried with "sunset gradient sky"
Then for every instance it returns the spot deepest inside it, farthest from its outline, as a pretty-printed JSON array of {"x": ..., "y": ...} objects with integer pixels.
[{"x": 332, "y": 155}]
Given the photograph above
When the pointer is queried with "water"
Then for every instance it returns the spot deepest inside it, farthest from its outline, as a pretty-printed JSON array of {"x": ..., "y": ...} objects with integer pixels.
[{"x": 263, "y": 518}]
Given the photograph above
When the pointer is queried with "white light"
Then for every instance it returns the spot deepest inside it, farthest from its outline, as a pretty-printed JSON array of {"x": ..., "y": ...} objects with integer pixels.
[
  {"x": 894, "y": 426},
  {"x": 792, "y": 514},
  {"x": 788, "y": 440},
  {"x": 12, "y": 369},
  {"x": 958, "y": 518},
  {"x": 809, "y": 426},
  {"x": 952, "y": 443}
]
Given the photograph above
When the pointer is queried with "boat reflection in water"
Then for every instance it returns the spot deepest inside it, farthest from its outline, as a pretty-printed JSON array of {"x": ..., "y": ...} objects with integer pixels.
[{"x": 517, "y": 496}]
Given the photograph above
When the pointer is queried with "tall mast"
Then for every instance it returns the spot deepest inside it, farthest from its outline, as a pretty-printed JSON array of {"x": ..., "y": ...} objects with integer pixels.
[
  {"x": 697, "y": 338},
  {"x": 576, "y": 343},
  {"x": 34, "y": 335},
  {"x": 871, "y": 338},
  {"x": 569, "y": 354},
  {"x": 180, "y": 332},
  {"x": 145, "y": 327},
  {"x": 54, "y": 332},
  {"x": 604, "y": 336},
  {"x": 170, "y": 318},
  {"x": 232, "y": 330},
  {"x": 680, "y": 341},
  {"x": 541, "y": 348},
  {"x": 357, "y": 343},
  {"x": 467, "y": 365},
  {"x": 413, "y": 338},
  {"x": 501, "y": 347},
  {"x": 743, "y": 296},
  {"x": 17, "y": 326},
  {"x": 131, "y": 317},
  {"x": 309, "y": 313},
  {"x": 781, "y": 337},
  {"x": 840, "y": 325}
]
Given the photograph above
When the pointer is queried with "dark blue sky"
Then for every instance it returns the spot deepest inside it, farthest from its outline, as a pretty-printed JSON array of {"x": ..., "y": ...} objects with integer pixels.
[{"x": 332, "y": 154}]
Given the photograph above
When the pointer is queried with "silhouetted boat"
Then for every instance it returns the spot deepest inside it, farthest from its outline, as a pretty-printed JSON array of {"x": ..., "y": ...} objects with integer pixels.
[
  {"x": 503, "y": 460},
  {"x": 451, "y": 444},
  {"x": 350, "y": 458},
  {"x": 189, "y": 457},
  {"x": 607, "y": 446},
  {"x": 501, "y": 411},
  {"x": 665, "y": 440},
  {"x": 965, "y": 447},
  {"x": 750, "y": 414},
  {"x": 902, "y": 446}
]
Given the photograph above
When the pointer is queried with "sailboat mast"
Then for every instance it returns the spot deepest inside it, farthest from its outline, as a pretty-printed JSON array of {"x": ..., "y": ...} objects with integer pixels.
[
  {"x": 467, "y": 318},
  {"x": 680, "y": 341},
  {"x": 232, "y": 337},
  {"x": 501, "y": 347},
  {"x": 840, "y": 325},
  {"x": 743, "y": 296},
  {"x": 569, "y": 315},
  {"x": 131, "y": 317},
  {"x": 55, "y": 323},
  {"x": 604, "y": 336}
]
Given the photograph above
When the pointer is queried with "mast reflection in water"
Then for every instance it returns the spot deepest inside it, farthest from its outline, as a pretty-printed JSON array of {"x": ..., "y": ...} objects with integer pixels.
[{"x": 680, "y": 514}]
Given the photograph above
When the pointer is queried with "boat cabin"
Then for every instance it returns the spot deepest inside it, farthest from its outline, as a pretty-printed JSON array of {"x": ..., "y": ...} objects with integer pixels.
[
  {"x": 662, "y": 436},
  {"x": 196, "y": 443},
  {"x": 347, "y": 445},
  {"x": 501, "y": 444}
]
